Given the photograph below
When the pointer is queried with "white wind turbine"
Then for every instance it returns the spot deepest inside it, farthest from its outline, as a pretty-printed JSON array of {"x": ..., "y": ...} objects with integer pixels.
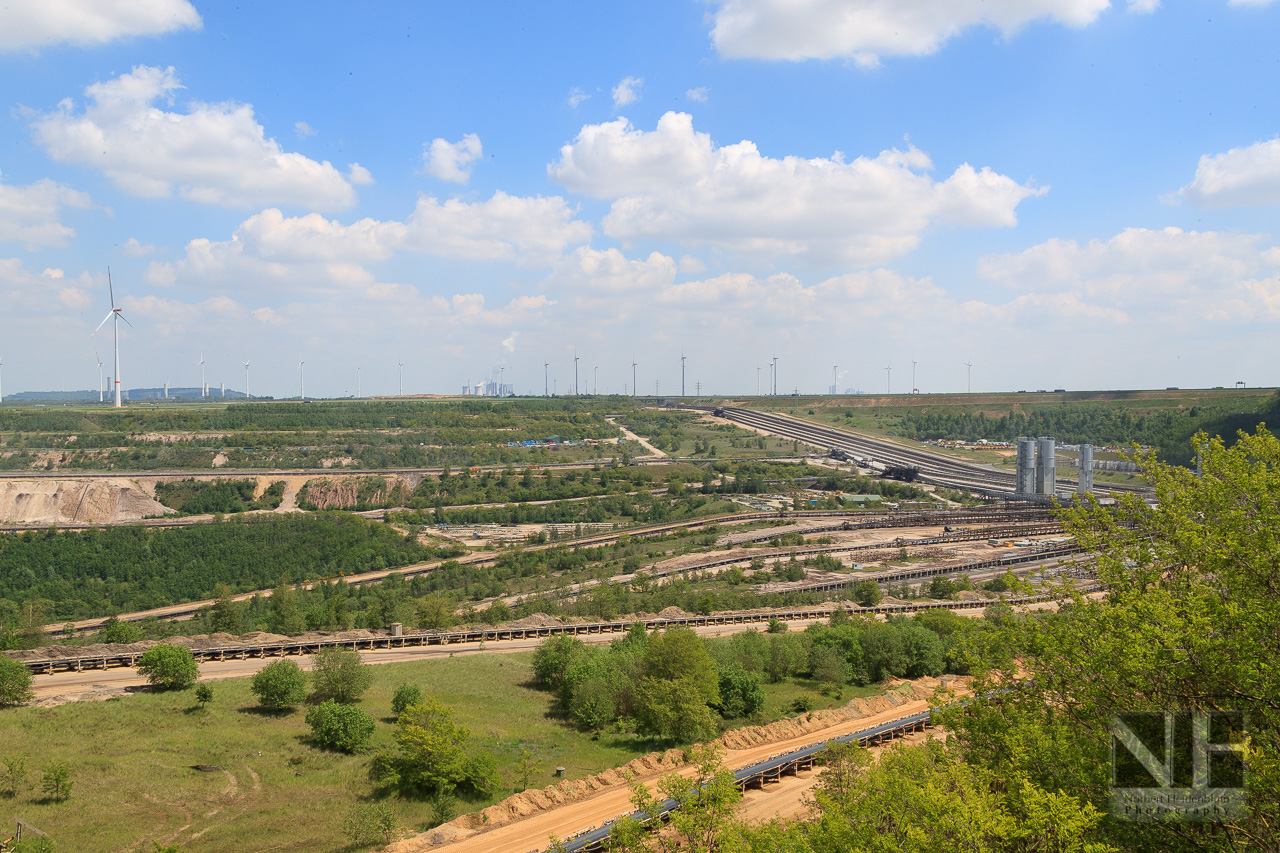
[
  {"x": 99, "y": 358},
  {"x": 302, "y": 380},
  {"x": 115, "y": 316},
  {"x": 246, "y": 377},
  {"x": 204, "y": 389}
]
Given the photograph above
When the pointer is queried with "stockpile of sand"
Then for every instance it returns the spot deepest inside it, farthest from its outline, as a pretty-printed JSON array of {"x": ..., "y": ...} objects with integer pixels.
[{"x": 97, "y": 501}]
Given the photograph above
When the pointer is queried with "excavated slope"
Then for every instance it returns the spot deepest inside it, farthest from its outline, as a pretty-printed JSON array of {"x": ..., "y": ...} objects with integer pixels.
[{"x": 97, "y": 501}]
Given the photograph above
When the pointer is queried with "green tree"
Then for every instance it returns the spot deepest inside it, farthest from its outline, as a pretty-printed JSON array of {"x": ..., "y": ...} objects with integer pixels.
[
  {"x": 56, "y": 781},
  {"x": 552, "y": 657},
  {"x": 15, "y": 682},
  {"x": 339, "y": 674},
  {"x": 14, "y": 776},
  {"x": 432, "y": 747},
  {"x": 286, "y": 613},
  {"x": 435, "y": 613},
  {"x": 740, "y": 692},
  {"x": 1187, "y": 622},
  {"x": 405, "y": 695},
  {"x": 204, "y": 694},
  {"x": 115, "y": 631},
  {"x": 280, "y": 684},
  {"x": 225, "y": 616},
  {"x": 703, "y": 820},
  {"x": 345, "y": 728},
  {"x": 673, "y": 708},
  {"x": 169, "y": 667},
  {"x": 923, "y": 799},
  {"x": 868, "y": 593}
]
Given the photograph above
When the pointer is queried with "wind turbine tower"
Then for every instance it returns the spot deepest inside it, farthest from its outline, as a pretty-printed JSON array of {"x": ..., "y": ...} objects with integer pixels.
[
  {"x": 634, "y": 389},
  {"x": 682, "y": 373},
  {"x": 204, "y": 389},
  {"x": 575, "y": 371},
  {"x": 246, "y": 378},
  {"x": 401, "y": 378},
  {"x": 969, "y": 364},
  {"x": 357, "y": 381},
  {"x": 914, "y": 389},
  {"x": 115, "y": 317},
  {"x": 99, "y": 358},
  {"x": 546, "y": 375},
  {"x": 888, "y": 379},
  {"x": 302, "y": 379}
]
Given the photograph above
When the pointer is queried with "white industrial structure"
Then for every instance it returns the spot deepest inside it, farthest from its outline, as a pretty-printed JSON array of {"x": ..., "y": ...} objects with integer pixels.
[{"x": 1036, "y": 477}]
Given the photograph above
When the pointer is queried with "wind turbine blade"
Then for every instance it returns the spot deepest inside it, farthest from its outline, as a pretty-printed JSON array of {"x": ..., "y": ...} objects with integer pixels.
[
  {"x": 111, "y": 290},
  {"x": 103, "y": 323},
  {"x": 127, "y": 323}
]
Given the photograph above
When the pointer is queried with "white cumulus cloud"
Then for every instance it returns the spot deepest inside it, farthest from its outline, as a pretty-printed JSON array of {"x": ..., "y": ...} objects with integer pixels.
[
  {"x": 212, "y": 153},
  {"x": 43, "y": 23},
  {"x": 1158, "y": 275},
  {"x": 627, "y": 91},
  {"x": 865, "y": 30},
  {"x": 1239, "y": 177},
  {"x": 451, "y": 161},
  {"x": 675, "y": 183},
  {"x": 29, "y": 214}
]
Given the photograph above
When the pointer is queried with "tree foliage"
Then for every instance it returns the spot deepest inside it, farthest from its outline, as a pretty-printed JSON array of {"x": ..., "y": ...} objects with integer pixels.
[
  {"x": 339, "y": 674},
  {"x": 15, "y": 682},
  {"x": 280, "y": 684},
  {"x": 1187, "y": 623},
  {"x": 169, "y": 666},
  {"x": 345, "y": 728}
]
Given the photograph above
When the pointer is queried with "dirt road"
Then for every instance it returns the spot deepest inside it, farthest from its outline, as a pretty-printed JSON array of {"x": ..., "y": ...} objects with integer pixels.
[
  {"x": 532, "y": 832},
  {"x": 73, "y": 686}
]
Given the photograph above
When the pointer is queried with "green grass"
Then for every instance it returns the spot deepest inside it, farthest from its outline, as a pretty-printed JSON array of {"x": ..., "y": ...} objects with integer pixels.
[{"x": 132, "y": 759}]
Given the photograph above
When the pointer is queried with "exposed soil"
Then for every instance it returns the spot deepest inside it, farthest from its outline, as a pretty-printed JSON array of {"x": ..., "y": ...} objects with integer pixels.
[
  {"x": 93, "y": 501},
  {"x": 742, "y": 747}
]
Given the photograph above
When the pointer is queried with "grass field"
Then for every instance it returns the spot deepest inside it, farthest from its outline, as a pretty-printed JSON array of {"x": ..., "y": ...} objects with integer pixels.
[{"x": 131, "y": 759}]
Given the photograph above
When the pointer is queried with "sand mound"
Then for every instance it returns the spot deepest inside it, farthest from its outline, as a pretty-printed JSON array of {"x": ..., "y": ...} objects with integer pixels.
[
  {"x": 97, "y": 501},
  {"x": 673, "y": 613}
]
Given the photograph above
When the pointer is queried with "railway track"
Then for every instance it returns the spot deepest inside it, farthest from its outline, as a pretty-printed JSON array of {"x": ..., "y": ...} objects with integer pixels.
[
  {"x": 935, "y": 469},
  {"x": 857, "y": 520},
  {"x": 127, "y": 659}
]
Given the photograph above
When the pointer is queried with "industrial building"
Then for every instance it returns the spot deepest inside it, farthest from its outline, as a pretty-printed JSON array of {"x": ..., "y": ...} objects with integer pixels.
[
  {"x": 488, "y": 389},
  {"x": 1036, "y": 477}
]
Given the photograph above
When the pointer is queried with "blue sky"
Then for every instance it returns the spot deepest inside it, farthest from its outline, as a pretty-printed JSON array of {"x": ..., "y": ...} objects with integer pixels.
[{"x": 1068, "y": 193}]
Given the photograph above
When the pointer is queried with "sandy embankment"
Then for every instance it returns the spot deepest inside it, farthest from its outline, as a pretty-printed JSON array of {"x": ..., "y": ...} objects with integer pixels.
[
  {"x": 524, "y": 821},
  {"x": 116, "y": 500}
]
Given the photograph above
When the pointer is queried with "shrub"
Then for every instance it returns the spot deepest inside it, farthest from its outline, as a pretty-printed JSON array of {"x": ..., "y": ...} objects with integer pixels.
[
  {"x": 369, "y": 823},
  {"x": 169, "y": 667},
  {"x": 15, "y": 682},
  {"x": 115, "y": 631},
  {"x": 405, "y": 695},
  {"x": 14, "y": 776},
  {"x": 340, "y": 674},
  {"x": 340, "y": 727},
  {"x": 868, "y": 593},
  {"x": 204, "y": 694},
  {"x": 57, "y": 783},
  {"x": 279, "y": 684},
  {"x": 740, "y": 692}
]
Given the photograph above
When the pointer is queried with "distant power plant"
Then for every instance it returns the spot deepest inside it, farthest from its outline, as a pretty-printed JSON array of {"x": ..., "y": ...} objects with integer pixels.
[
  {"x": 1037, "y": 469},
  {"x": 488, "y": 389}
]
